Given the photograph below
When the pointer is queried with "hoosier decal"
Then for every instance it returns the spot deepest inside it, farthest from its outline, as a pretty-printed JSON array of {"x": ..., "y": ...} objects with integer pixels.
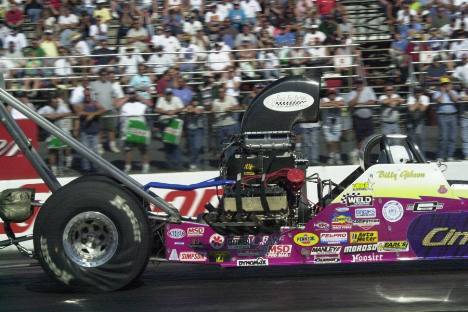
[{"x": 439, "y": 235}]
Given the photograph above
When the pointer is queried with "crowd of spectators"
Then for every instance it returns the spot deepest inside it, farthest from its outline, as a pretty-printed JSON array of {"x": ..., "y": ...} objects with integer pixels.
[{"x": 192, "y": 65}]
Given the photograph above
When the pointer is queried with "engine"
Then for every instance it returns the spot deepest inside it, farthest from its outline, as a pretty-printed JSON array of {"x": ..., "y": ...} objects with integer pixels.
[{"x": 269, "y": 190}]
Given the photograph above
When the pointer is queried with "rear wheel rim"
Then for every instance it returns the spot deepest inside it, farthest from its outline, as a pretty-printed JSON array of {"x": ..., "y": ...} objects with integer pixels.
[{"x": 90, "y": 239}]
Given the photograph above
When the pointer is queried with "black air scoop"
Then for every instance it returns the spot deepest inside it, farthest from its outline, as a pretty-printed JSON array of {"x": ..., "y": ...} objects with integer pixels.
[{"x": 282, "y": 104}]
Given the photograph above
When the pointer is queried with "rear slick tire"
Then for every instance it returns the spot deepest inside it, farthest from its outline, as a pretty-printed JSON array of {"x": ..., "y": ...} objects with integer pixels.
[{"x": 92, "y": 235}]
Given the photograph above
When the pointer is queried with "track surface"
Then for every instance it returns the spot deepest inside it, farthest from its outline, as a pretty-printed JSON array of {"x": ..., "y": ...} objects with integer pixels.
[{"x": 436, "y": 286}]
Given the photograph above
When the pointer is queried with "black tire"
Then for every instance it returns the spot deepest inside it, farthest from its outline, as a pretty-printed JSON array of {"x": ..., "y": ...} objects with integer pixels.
[{"x": 95, "y": 204}]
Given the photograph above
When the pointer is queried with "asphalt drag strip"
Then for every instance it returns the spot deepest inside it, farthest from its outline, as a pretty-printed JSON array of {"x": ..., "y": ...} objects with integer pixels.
[{"x": 408, "y": 286}]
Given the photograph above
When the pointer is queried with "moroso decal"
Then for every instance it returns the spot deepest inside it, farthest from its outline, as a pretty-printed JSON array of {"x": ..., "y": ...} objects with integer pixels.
[
  {"x": 439, "y": 235},
  {"x": 360, "y": 248},
  {"x": 306, "y": 239}
]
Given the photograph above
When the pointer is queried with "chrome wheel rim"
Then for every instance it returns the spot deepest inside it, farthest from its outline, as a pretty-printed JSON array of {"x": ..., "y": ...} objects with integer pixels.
[{"x": 90, "y": 239}]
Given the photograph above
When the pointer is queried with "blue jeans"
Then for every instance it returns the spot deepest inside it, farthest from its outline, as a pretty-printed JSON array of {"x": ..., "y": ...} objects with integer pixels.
[
  {"x": 34, "y": 14},
  {"x": 195, "y": 143},
  {"x": 390, "y": 128},
  {"x": 416, "y": 133},
  {"x": 310, "y": 144},
  {"x": 173, "y": 156},
  {"x": 447, "y": 135},
  {"x": 91, "y": 141},
  {"x": 225, "y": 132},
  {"x": 464, "y": 124}
]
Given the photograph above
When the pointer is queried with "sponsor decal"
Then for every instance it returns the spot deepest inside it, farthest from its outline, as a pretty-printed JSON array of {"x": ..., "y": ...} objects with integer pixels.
[
  {"x": 334, "y": 238},
  {"x": 323, "y": 260},
  {"x": 325, "y": 250},
  {"x": 279, "y": 251},
  {"x": 174, "y": 256},
  {"x": 179, "y": 243},
  {"x": 445, "y": 236},
  {"x": 366, "y": 224},
  {"x": 252, "y": 262},
  {"x": 176, "y": 233},
  {"x": 191, "y": 256},
  {"x": 357, "y": 200},
  {"x": 364, "y": 237},
  {"x": 219, "y": 256},
  {"x": 321, "y": 226},
  {"x": 392, "y": 211},
  {"x": 367, "y": 258},
  {"x": 361, "y": 186},
  {"x": 216, "y": 241},
  {"x": 442, "y": 189},
  {"x": 360, "y": 248},
  {"x": 195, "y": 243},
  {"x": 342, "y": 209},
  {"x": 342, "y": 220},
  {"x": 425, "y": 206},
  {"x": 250, "y": 253},
  {"x": 305, "y": 239},
  {"x": 365, "y": 213},
  {"x": 435, "y": 235},
  {"x": 240, "y": 242},
  {"x": 195, "y": 231},
  {"x": 289, "y": 101},
  {"x": 393, "y": 246},
  {"x": 404, "y": 175}
]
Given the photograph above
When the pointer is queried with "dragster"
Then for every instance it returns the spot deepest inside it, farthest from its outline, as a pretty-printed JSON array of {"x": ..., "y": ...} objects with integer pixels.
[{"x": 99, "y": 231}]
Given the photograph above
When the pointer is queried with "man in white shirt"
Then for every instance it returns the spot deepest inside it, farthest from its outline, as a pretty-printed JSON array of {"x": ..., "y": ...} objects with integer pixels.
[
  {"x": 225, "y": 123},
  {"x": 134, "y": 108},
  {"x": 461, "y": 71},
  {"x": 417, "y": 106},
  {"x": 129, "y": 62},
  {"x": 223, "y": 9},
  {"x": 218, "y": 60},
  {"x": 191, "y": 25},
  {"x": 18, "y": 38},
  {"x": 390, "y": 117},
  {"x": 169, "y": 106},
  {"x": 169, "y": 42},
  {"x": 67, "y": 20},
  {"x": 251, "y": 9},
  {"x": 313, "y": 34},
  {"x": 20, "y": 95},
  {"x": 137, "y": 36},
  {"x": 159, "y": 61}
]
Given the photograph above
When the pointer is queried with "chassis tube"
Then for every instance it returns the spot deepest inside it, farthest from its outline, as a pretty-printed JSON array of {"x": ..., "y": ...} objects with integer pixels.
[{"x": 174, "y": 215}]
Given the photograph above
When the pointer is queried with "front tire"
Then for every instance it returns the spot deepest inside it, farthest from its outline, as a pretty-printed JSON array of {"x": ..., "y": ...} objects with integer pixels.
[{"x": 92, "y": 234}]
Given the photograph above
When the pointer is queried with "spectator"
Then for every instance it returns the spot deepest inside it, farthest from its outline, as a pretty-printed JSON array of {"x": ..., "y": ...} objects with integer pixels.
[
  {"x": 390, "y": 117},
  {"x": 446, "y": 100},
  {"x": 104, "y": 94},
  {"x": 195, "y": 130},
  {"x": 464, "y": 122},
  {"x": 269, "y": 62},
  {"x": 225, "y": 123},
  {"x": 14, "y": 16},
  {"x": 174, "y": 21},
  {"x": 18, "y": 38},
  {"x": 182, "y": 91},
  {"x": 461, "y": 71},
  {"x": 191, "y": 25},
  {"x": 101, "y": 11},
  {"x": 138, "y": 36},
  {"x": 142, "y": 83},
  {"x": 56, "y": 111},
  {"x": 251, "y": 8},
  {"x": 87, "y": 129},
  {"x": 285, "y": 37},
  {"x": 314, "y": 33},
  {"x": 435, "y": 71},
  {"x": 62, "y": 66},
  {"x": 223, "y": 8},
  {"x": 32, "y": 72},
  {"x": 403, "y": 15},
  {"x": 332, "y": 125},
  {"x": 98, "y": 30},
  {"x": 417, "y": 107},
  {"x": 232, "y": 82},
  {"x": 33, "y": 10},
  {"x": 125, "y": 21},
  {"x": 188, "y": 55},
  {"x": 246, "y": 36},
  {"x": 309, "y": 142},
  {"x": 23, "y": 97},
  {"x": 237, "y": 16},
  {"x": 357, "y": 101},
  {"x": 345, "y": 26},
  {"x": 169, "y": 106},
  {"x": 133, "y": 112},
  {"x": 48, "y": 44},
  {"x": 77, "y": 95},
  {"x": 103, "y": 54},
  {"x": 168, "y": 41},
  {"x": 128, "y": 62},
  {"x": 218, "y": 60},
  {"x": 158, "y": 60}
]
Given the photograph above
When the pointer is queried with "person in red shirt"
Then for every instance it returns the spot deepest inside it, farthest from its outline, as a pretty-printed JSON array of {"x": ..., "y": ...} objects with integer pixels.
[
  {"x": 325, "y": 7},
  {"x": 14, "y": 16}
]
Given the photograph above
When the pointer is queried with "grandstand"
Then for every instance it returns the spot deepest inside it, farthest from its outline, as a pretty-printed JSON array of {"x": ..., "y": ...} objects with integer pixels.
[{"x": 197, "y": 47}]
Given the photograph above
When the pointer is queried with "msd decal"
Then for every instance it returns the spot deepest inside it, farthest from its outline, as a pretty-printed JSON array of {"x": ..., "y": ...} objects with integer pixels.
[
  {"x": 279, "y": 251},
  {"x": 195, "y": 231},
  {"x": 439, "y": 235}
]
